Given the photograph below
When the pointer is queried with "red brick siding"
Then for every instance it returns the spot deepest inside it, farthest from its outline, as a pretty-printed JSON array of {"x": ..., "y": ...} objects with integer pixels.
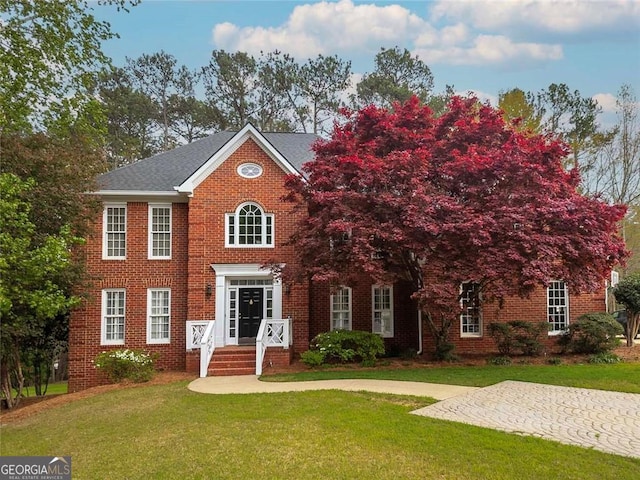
[{"x": 135, "y": 274}]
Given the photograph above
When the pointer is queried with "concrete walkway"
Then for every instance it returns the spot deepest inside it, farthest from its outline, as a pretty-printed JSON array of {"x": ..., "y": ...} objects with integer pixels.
[
  {"x": 605, "y": 421},
  {"x": 251, "y": 384}
]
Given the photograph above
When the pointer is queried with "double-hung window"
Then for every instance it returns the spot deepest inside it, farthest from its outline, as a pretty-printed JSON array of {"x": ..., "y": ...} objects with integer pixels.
[
  {"x": 158, "y": 315},
  {"x": 471, "y": 315},
  {"x": 114, "y": 243},
  {"x": 341, "y": 309},
  {"x": 160, "y": 231},
  {"x": 557, "y": 306},
  {"x": 249, "y": 227},
  {"x": 382, "y": 310},
  {"x": 113, "y": 316}
]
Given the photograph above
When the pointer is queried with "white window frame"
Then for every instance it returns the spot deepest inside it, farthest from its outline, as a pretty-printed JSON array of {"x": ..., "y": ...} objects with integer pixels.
[
  {"x": 557, "y": 306},
  {"x": 344, "y": 314},
  {"x": 232, "y": 221},
  {"x": 153, "y": 233},
  {"x": 107, "y": 233},
  {"x": 467, "y": 318},
  {"x": 110, "y": 315},
  {"x": 378, "y": 312},
  {"x": 151, "y": 314}
]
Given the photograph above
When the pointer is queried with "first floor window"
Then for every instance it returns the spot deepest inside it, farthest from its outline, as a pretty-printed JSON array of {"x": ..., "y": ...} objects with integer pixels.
[
  {"x": 158, "y": 315},
  {"x": 341, "y": 309},
  {"x": 471, "y": 317},
  {"x": 382, "y": 310},
  {"x": 113, "y": 317},
  {"x": 557, "y": 306},
  {"x": 115, "y": 232}
]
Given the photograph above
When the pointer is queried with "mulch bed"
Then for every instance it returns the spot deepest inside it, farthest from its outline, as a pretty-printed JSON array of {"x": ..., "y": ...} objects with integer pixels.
[{"x": 33, "y": 405}]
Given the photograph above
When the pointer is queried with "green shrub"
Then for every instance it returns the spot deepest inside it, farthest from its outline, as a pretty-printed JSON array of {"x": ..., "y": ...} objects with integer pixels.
[
  {"x": 134, "y": 365},
  {"x": 344, "y": 346},
  {"x": 518, "y": 336},
  {"x": 499, "y": 361},
  {"x": 591, "y": 333},
  {"x": 605, "y": 357},
  {"x": 312, "y": 358}
]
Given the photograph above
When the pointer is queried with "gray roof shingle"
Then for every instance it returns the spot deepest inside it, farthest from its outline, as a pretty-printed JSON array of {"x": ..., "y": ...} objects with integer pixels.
[{"x": 166, "y": 170}]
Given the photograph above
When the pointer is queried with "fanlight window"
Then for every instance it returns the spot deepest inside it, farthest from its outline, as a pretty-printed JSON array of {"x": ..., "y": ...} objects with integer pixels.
[{"x": 249, "y": 227}]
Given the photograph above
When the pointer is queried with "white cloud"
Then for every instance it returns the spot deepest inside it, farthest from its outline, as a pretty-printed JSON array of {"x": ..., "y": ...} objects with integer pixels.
[
  {"x": 345, "y": 28},
  {"x": 554, "y": 16},
  {"x": 326, "y": 27},
  {"x": 490, "y": 49},
  {"x": 607, "y": 102}
]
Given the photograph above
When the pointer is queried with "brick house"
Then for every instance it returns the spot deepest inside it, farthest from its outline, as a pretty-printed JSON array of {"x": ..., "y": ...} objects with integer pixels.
[{"x": 181, "y": 243}]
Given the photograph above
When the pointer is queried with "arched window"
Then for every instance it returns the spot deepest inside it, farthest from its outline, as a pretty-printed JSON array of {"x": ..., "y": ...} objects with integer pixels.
[{"x": 249, "y": 227}]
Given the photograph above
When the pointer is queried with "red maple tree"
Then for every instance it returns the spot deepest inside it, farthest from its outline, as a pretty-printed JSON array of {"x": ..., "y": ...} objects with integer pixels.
[{"x": 463, "y": 197}]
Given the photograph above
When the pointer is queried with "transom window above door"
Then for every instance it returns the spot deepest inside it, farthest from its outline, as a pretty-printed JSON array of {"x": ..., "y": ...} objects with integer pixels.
[{"x": 249, "y": 227}]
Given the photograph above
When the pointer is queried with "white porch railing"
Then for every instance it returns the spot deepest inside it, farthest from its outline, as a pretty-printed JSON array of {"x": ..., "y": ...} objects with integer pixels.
[
  {"x": 195, "y": 332},
  {"x": 272, "y": 333},
  {"x": 207, "y": 346}
]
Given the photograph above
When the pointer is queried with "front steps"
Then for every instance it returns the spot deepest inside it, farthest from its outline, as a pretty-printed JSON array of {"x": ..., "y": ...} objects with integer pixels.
[{"x": 227, "y": 361}]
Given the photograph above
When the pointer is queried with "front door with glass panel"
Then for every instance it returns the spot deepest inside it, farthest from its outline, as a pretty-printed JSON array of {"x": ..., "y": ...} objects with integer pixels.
[{"x": 250, "y": 313}]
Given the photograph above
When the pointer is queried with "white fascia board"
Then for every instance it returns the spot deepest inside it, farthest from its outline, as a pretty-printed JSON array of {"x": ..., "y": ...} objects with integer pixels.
[
  {"x": 249, "y": 131},
  {"x": 141, "y": 195}
]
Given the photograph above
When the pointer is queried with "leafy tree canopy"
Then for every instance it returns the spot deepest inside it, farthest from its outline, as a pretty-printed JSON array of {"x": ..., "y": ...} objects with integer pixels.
[{"x": 401, "y": 194}]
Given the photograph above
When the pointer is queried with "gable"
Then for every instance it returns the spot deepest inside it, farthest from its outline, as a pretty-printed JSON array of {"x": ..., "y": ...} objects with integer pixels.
[
  {"x": 178, "y": 171},
  {"x": 248, "y": 133}
]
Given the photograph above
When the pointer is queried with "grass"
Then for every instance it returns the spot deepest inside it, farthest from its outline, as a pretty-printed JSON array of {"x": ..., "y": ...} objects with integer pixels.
[
  {"x": 52, "y": 389},
  {"x": 166, "y": 432},
  {"x": 622, "y": 377}
]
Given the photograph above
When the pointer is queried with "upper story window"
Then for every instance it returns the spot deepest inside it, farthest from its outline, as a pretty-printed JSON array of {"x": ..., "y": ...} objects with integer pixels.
[
  {"x": 557, "y": 306},
  {"x": 114, "y": 241},
  {"x": 471, "y": 316},
  {"x": 249, "y": 227},
  {"x": 160, "y": 231},
  {"x": 113, "y": 316},
  {"x": 341, "y": 309},
  {"x": 382, "y": 310},
  {"x": 249, "y": 170}
]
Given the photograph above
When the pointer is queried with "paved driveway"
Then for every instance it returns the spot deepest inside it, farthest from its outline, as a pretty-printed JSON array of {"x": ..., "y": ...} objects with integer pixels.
[{"x": 605, "y": 421}]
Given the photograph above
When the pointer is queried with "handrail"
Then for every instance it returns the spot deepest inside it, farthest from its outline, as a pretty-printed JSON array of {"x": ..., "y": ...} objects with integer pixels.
[
  {"x": 207, "y": 346},
  {"x": 272, "y": 333},
  {"x": 195, "y": 332}
]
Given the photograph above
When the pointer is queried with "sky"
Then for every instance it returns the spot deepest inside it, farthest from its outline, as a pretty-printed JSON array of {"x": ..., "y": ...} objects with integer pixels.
[{"x": 483, "y": 46}]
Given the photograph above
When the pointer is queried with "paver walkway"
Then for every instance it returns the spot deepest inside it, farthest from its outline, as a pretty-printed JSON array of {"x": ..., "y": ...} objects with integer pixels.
[{"x": 605, "y": 421}]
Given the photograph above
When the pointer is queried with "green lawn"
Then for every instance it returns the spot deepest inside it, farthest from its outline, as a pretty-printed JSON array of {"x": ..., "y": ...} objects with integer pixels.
[
  {"x": 621, "y": 377},
  {"x": 166, "y": 431}
]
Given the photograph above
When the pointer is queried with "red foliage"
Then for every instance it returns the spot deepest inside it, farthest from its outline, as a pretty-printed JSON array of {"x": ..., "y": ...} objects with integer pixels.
[{"x": 439, "y": 201}]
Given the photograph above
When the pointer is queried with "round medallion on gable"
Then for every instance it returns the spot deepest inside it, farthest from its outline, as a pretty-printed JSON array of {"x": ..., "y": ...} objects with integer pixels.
[{"x": 249, "y": 170}]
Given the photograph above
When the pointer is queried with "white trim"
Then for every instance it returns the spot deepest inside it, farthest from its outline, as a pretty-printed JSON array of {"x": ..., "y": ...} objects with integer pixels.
[
  {"x": 464, "y": 313},
  {"x": 389, "y": 333},
  {"x": 139, "y": 193},
  {"x": 248, "y": 132},
  {"x": 565, "y": 307},
  {"x": 266, "y": 218},
  {"x": 224, "y": 273},
  {"x": 156, "y": 341},
  {"x": 103, "y": 317},
  {"x": 250, "y": 165},
  {"x": 150, "y": 231},
  {"x": 105, "y": 248},
  {"x": 331, "y": 310}
]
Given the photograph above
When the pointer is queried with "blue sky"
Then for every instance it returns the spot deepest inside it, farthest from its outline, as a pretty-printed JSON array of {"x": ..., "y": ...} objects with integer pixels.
[{"x": 482, "y": 46}]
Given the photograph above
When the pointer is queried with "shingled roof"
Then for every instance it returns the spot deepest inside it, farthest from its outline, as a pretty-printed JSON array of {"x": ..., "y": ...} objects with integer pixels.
[{"x": 164, "y": 171}]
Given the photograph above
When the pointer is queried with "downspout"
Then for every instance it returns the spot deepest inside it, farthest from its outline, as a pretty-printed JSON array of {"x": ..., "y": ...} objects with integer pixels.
[{"x": 419, "y": 352}]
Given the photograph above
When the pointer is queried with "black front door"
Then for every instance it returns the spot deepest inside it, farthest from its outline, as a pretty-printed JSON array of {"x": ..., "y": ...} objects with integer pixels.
[{"x": 251, "y": 311}]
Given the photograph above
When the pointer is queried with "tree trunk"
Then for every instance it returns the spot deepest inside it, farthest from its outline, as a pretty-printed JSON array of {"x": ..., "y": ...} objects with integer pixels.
[
  {"x": 440, "y": 332},
  {"x": 633, "y": 324}
]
